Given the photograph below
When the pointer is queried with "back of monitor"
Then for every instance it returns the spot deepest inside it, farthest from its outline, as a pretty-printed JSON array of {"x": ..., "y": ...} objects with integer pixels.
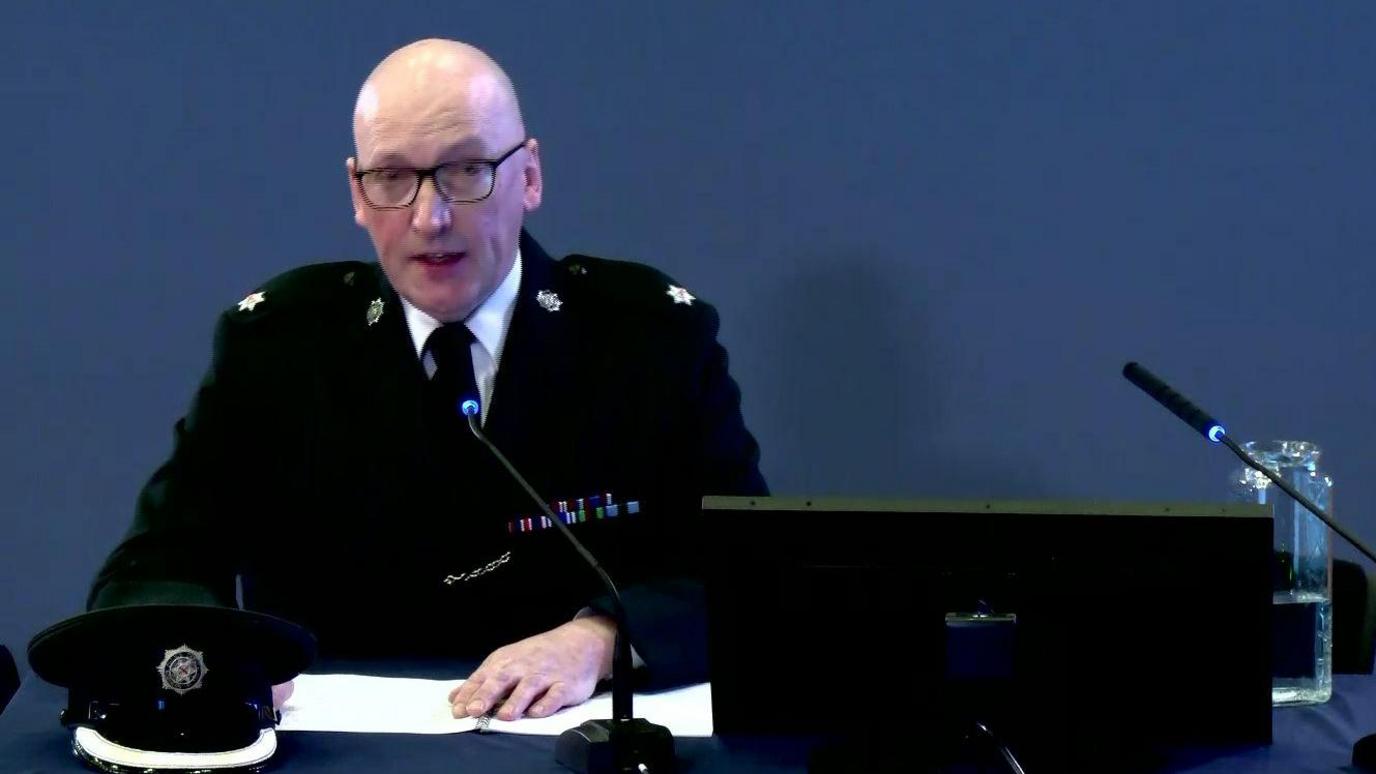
[{"x": 1136, "y": 625}]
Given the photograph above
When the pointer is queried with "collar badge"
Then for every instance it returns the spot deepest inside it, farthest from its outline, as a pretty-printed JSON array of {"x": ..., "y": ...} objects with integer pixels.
[
  {"x": 374, "y": 311},
  {"x": 549, "y": 300}
]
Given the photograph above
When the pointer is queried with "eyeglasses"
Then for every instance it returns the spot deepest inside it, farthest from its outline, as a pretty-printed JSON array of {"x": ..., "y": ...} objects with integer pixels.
[{"x": 457, "y": 182}]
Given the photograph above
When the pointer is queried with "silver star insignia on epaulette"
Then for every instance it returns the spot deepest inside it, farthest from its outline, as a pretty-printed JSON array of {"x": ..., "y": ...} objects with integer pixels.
[
  {"x": 549, "y": 300},
  {"x": 252, "y": 300},
  {"x": 374, "y": 311},
  {"x": 680, "y": 295}
]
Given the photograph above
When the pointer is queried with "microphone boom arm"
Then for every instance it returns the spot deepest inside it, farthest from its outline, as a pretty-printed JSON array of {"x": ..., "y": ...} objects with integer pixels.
[
  {"x": 1210, "y": 428},
  {"x": 1285, "y": 486}
]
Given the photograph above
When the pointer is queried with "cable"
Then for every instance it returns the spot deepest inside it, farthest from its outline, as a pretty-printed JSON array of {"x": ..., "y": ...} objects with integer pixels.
[{"x": 1008, "y": 758}]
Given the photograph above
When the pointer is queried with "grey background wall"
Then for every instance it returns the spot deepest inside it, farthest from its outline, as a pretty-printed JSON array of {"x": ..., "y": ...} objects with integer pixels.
[{"x": 935, "y": 232}]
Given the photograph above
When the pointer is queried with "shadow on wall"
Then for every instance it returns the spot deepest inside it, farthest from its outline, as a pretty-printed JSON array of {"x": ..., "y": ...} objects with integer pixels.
[{"x": 860, "y": 399}]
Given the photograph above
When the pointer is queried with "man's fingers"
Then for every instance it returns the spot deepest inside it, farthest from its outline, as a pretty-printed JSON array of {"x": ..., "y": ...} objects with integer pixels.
[
  {"x": 521, "y": 697},
  {"x": 466, "y": 701},
  {"x": 486, "y": 696},
  {"x": 556, "y": 697},
  {"x": 539, "y": 675},
  {"x": 462, "y": 695},
  {"x": 465, "y": 690}
]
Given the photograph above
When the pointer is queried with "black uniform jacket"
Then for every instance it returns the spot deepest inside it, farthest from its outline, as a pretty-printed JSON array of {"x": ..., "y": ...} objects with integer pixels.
[{"x": 310, "y": 465}]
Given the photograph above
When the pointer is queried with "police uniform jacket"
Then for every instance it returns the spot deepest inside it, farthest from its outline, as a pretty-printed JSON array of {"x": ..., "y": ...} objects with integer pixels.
[{"x": 310, "y": 465}]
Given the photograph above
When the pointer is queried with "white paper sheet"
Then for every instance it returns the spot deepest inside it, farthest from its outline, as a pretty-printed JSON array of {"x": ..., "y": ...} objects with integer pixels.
[{"x": 396, "y": 705}]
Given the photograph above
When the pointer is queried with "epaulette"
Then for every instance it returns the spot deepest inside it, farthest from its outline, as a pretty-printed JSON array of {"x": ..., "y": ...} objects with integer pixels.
[
  {"x": 307, "y": 288},
  {"x": 626, "y": 284}
]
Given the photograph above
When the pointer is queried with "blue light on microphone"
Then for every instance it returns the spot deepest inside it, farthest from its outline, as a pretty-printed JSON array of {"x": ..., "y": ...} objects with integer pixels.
[
  {"x": 1216, "y": 433},
  {"x": 469, "y": 408}
]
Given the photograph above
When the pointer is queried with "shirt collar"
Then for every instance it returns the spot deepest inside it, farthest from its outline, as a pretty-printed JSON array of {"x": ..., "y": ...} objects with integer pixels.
[{"x": 489, "y": 322}]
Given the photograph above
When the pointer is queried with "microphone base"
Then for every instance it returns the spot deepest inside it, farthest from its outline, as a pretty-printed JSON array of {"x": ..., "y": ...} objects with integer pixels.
[{"x": 615, "y": 746}]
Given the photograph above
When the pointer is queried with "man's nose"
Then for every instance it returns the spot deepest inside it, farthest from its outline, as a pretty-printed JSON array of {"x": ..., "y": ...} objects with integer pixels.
[{"x": 431, "y": 214}]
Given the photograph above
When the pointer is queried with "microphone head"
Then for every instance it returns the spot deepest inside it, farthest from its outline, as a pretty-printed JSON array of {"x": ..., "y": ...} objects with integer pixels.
[
  {"x": 469, "y": 408},
  {"x": 1174, "y": 402}
]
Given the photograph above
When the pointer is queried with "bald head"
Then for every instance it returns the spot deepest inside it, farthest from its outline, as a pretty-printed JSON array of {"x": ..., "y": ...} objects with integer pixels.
[
  {"x": 440, "y": 119},
  {"x": 431, "y": 88}
]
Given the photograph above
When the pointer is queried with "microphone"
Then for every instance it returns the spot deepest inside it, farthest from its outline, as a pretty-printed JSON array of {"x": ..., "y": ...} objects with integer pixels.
[
  {"x": 1200, "y": 420},
  {"x": 623, "y": 743},
  {"x": 1364, "y": 750},
  {"x": 1178, "y": 404}
]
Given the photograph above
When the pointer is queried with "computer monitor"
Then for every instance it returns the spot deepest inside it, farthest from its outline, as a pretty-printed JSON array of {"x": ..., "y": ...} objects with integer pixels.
[{"x": 1074, "y": 627}]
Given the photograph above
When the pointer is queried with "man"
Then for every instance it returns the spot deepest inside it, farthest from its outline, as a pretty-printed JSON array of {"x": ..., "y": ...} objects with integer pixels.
[{"x": 324, "y": 464}]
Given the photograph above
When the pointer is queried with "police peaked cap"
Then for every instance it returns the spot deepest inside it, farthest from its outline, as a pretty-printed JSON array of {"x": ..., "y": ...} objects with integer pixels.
[{"x": 171, "y": 687}]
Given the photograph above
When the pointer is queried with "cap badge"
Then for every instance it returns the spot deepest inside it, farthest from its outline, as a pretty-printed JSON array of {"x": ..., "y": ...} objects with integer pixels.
[
  {"x": 182, "y": 669},
  {"x": 549, "y": 300},
  {"x": 251, "y": 300},
  {"x": 680, "y": 295},
  {"x": 374, "y": 311}
]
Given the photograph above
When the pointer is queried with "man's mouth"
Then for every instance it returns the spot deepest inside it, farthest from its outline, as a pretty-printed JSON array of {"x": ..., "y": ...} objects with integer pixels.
[{"x": 438, "y": 259}]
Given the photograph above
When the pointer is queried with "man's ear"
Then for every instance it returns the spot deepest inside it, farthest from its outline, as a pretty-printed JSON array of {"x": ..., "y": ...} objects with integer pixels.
[
  {"x": 534, "y": 177},
  {"x": 351, "y": 166}
]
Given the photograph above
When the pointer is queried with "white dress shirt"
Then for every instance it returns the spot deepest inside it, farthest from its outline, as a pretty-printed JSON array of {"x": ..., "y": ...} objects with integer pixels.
[{"x": 488, "y": 323}]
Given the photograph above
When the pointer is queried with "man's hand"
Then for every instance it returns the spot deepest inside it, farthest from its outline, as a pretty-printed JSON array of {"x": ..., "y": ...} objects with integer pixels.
[{"x": 544, "y": 673}]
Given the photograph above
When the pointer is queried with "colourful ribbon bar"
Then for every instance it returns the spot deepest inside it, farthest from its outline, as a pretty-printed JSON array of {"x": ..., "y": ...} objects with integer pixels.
[{"x": 594, "y": 507}]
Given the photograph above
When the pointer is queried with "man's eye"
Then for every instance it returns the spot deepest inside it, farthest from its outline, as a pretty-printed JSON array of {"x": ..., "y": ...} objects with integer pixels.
[{"x": 390, "y": 175}]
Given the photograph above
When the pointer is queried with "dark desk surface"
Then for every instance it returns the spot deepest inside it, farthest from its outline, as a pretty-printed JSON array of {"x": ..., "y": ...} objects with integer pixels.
[{"x": 1307, "y": 739}]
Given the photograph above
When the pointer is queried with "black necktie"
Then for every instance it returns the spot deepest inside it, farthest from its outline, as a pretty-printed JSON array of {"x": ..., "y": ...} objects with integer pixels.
[{"x": 453, "y": 381}]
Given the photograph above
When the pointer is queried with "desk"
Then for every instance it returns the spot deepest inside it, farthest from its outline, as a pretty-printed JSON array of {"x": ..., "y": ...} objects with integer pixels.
[{"x": 1307, "y": 739}]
